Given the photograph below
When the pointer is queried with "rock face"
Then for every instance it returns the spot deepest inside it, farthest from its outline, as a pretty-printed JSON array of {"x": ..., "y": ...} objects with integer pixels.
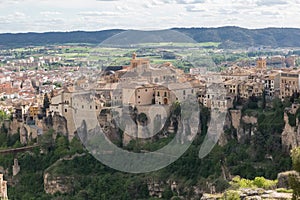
[
  {"x": 236, "y": 116},
  {"x": 283, "y": 179},
  {"x": 245, "y": 126},
  {"x": 14, "y": 126},
  {"x": 57, "y": 184},
  {"x": 155, "y": 189},
  {"x": 59, "y": 124},
  {"x": 291, "y": 135},
  {"x": 253, "y": 194}
]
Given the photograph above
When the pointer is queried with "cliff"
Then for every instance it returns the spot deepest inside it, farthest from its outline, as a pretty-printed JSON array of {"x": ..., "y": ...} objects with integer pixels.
[
  {"x": 291, "y": 134},
  {"x": 56, "y": 182}
]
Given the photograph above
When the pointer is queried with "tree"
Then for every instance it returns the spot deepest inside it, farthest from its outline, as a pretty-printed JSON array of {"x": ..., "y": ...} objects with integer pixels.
[
  {"x": 46, "y": 103},
  {"x": 264, "y": 102},
  {"x": 46, "y": 140},
  {"x": 142, "y": 118}
]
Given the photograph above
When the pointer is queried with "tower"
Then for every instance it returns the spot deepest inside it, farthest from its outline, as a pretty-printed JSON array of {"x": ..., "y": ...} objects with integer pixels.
[{"x": 261, "y": 64}]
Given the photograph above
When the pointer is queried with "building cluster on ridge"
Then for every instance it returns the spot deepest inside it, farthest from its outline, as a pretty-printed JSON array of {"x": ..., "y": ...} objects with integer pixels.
[{"x": 139, "y": 84}]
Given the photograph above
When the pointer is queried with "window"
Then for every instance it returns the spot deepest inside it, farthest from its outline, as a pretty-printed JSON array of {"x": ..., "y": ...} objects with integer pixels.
[
  {"x": 91, "y": 107},
  {"x": 82, "y": 106},
  {"x": 183, "y": 92},
  {"x": 165, "y": 94},
  {"x": 66, "y": 110},
  {"x": 139, "y": 97},
  {"x": 146, "y": 90},
  {"x": 96, "y": 107},
  {"x": 158, "y": 94}
]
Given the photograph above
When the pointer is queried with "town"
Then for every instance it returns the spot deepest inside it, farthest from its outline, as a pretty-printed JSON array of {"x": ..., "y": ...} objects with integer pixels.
[
  {"x": 29, "y": 96},
  {"x": 42, "y": 94}
]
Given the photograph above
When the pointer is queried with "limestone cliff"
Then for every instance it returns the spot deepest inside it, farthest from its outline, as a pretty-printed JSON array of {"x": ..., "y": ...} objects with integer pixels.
[
  {"x": 57, "y": 184},
  {"x": 243, "y": 126},
  {"x": 59, "y": 125},
  {"x": 291, "y": 134}
]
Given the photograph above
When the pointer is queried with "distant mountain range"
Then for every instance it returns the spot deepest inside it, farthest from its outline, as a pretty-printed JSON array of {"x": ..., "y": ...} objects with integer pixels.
[{"x": 229, "y": 37}]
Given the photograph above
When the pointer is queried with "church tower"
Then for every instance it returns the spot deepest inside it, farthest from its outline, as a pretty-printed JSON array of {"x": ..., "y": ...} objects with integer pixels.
[{"x": 261, "y": 64}]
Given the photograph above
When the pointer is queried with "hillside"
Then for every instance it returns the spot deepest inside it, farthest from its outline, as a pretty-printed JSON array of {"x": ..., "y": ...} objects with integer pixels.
[
  {"x": 230, "y": 37},
  {"x": 239, "y": 37}
]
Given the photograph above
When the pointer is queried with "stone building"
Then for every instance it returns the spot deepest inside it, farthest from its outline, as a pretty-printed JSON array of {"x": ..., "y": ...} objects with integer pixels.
[
  {"x": 272, "y": 84},
  {"x": 251, "y": 88},
  {"x": 289, "y": 83},
  {"x": 216, "y": 97},
  {"x": 69, "y": 104}
]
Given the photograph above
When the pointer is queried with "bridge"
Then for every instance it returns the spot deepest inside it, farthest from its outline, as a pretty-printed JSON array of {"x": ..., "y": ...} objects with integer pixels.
[{"x": 17, "y": 150}]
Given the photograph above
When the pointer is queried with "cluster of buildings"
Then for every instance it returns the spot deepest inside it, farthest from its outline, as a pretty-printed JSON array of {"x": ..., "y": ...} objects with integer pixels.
[
  {"x": 33, "y": 62},
  {"x": 138, "y": 84},
  {"x": 246, "y": 82}
]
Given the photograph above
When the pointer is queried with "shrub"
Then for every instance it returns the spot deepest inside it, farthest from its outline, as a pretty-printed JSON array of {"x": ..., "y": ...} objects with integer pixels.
[
  {"x": 261, "y": 182},
  {"x": 258, "y": 182},
  {"x": 231, "y": 195}
]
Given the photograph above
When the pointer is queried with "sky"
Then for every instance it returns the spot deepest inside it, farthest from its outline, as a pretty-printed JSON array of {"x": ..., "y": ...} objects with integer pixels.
[{"x": 92, "y": 15}]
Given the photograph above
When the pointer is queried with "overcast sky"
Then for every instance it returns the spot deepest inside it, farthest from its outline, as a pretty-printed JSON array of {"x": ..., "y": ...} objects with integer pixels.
[{"x": 91, "y": 15}]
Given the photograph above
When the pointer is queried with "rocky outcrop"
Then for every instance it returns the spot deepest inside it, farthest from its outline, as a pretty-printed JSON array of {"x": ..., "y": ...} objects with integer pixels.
[
  {"x": 245, "y": 126},
  {"x": 15, "y": 125},
  {"x": 155, "y": 189},
  {"x": 59, "y": 125},
  {"x": 57, "y": 184},
  {"x": 291, "y": 135},
  {"x": 236, "y": 116},
  {"x": 23, "y": 135},
  {"x": 62, "y": 184},
  {"x": 252, "y": 194},
  {"x": 283, "y": 179}
]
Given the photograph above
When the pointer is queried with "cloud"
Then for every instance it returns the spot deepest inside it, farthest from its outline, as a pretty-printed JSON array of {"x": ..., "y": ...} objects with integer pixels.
[
  {"x": 183, "y": 1},
  {"x": 192, "y": 8},
  {"x": 97, "y": 13},
  {"x": 271, "y": 2},
  {"x": 49, "y": 13},
  {"x": 228, "y": 11}
]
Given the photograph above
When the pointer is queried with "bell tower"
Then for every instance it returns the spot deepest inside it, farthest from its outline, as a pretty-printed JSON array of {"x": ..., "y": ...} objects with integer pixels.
[{"x": 261, "y": 64}]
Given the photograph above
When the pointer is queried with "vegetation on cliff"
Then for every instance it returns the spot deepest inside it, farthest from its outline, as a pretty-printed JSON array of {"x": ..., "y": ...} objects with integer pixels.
[{"x": 260, "y": 155}]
